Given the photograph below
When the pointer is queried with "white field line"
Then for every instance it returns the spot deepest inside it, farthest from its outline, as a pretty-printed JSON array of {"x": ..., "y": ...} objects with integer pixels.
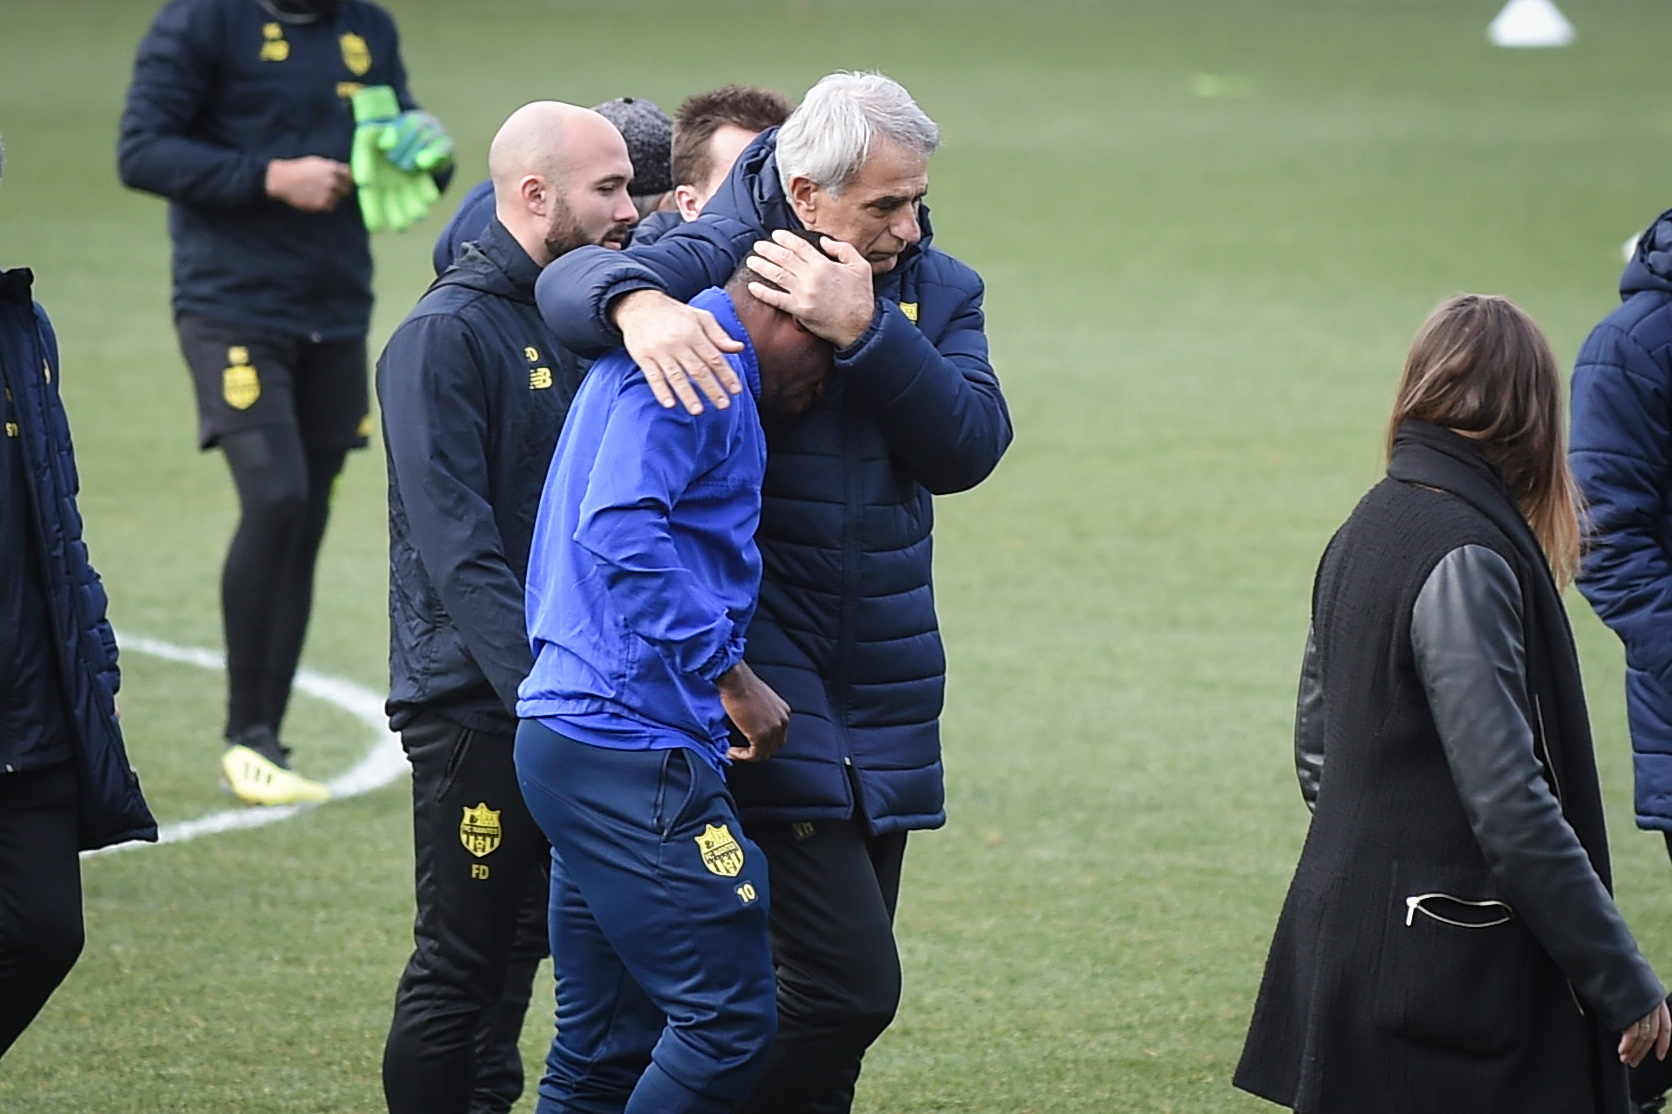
[{"x": 382, "y": 764}]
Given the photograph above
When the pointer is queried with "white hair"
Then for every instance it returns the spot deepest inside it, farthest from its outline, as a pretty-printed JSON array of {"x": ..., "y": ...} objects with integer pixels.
[{"x": 828, "y": 137}]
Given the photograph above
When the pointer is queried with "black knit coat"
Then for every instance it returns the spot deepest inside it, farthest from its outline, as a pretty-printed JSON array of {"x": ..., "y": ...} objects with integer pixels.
[{"x": 1364, "y": 1007}]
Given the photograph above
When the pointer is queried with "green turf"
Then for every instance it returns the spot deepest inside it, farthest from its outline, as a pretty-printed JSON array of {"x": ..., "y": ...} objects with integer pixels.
[{"x": 1198, "y": 304}]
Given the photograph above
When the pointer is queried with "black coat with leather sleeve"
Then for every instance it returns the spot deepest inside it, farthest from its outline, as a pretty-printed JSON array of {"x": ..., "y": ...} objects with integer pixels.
[{"x": 1448, "y": 942}]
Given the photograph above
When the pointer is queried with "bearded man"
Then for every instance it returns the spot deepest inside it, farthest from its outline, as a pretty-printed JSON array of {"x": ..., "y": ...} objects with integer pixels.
[{"x": 474, "y": 390}]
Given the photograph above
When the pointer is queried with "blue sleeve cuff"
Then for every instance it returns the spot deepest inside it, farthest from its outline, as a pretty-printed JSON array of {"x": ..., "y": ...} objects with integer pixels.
[{"x": 723, "y": 659}]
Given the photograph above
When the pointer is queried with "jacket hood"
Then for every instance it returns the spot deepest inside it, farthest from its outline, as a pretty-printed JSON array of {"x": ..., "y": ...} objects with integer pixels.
[
  {"x": 754, "y": 194},
  {"x": 1651, "y": 264},
  {"x": 493, "y": 264}
]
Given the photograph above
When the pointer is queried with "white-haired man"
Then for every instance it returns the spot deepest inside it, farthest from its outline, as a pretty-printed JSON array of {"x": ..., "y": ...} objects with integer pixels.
[{"x": 846, "y": 629}]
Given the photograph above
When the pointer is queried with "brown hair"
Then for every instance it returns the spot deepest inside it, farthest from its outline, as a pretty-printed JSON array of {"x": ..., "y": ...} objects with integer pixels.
[
  {"x": 1481, "y": 367},
  {"x": 744, "y": 106}
]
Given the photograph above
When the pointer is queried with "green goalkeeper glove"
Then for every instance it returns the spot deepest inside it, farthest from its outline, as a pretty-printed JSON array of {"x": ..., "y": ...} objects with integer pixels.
[
  {"x": 417, "y": 141},
  {"x": 389, "y": 196}
]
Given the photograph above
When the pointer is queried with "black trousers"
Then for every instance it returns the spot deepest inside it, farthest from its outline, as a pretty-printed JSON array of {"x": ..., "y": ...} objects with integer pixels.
[
  {"x": 481, "y": 879},
  {"x": 285, "y": 411},
  {"x": 40, "y": 891},
  {"x": 834, "y": 889}
]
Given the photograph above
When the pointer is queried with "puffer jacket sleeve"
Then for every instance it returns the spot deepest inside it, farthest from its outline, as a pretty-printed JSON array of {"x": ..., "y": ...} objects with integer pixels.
[
  {"x": 174, "y": 77},
  {"x": 938, "y": 403},
  {"x": 575, "y": 290},
  {"x": 1468, "y": 638},
  {"x": 89, "y": 588},
  {"x": 1621, "y": 450}
]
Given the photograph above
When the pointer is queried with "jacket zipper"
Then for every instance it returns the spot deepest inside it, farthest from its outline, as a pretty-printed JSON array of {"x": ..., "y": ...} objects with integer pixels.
[{"x": 1541, "y": 745}]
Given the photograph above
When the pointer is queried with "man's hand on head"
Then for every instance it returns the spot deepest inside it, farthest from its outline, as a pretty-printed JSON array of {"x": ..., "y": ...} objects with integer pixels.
[
  {"x": 311, "y": 184},
  {"x": 758, "y": 713},
  {"x": 677, "y": 346},
  {"x": 832, "y": 298}
]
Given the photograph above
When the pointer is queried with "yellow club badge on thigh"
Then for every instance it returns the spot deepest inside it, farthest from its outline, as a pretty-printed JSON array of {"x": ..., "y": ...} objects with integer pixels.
[
  {"x": 720, "y": 852},
  {"x": 480, "y": 831},
  {"x": 240, "y": 385}
]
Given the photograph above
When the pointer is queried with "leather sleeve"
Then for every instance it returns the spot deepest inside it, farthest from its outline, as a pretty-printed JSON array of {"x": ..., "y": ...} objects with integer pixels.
[
  {"x": 1309, "y": 725},
  {"x": 1467, "y": 635}
]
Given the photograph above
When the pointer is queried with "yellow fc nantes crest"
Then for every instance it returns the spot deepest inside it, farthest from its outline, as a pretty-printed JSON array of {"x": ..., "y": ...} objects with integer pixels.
[
  {"x": 240, "y": 385},
  {"x": 273, "y": 46},
  {"x": 357, "y": 56},
  {"x": 910, "y": 310},
  {"x": 480, "y": 831},
  {"x": 720, "y": 852}
]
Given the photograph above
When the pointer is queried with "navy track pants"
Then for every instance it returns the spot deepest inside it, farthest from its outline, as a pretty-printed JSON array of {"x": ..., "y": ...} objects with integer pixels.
[{"x": 665, "y": 989}]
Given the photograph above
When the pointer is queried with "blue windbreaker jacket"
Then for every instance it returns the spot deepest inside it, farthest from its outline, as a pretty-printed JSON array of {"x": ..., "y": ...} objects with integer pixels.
[
  {"x": 846, "y": 630},
  {"x": 220, "y": 88},
  {"x": 112, "y": 808},
  {"x": 1621, "y": 451},
  {"x": 473, "y": 389},
  {"x": 644, "y": 570}
]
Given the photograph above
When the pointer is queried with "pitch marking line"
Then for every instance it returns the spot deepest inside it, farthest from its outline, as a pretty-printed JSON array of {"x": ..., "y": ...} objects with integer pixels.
[{"x": 382, "y": 764}]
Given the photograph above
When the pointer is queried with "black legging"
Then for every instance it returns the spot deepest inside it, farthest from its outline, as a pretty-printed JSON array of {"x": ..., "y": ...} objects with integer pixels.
[{"x": 284, "y": 497}]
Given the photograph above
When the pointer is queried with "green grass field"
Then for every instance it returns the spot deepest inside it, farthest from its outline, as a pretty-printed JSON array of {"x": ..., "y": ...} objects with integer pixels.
[{"x": 1198, "y": 304}]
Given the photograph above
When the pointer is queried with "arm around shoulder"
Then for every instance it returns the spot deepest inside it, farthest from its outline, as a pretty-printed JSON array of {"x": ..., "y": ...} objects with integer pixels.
[{"x": 939, "y": 403}]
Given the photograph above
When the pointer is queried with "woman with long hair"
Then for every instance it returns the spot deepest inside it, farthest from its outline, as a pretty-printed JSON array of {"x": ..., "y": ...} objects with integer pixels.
[{"x": 1449, "y": 943}]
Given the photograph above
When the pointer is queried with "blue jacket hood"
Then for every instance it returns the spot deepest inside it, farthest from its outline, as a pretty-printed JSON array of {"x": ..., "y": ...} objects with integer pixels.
[{"x": 1651, "y": 264}]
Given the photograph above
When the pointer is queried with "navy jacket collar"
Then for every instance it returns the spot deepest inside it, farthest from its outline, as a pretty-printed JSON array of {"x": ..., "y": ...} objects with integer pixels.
[{"x": 494, "y": 264}]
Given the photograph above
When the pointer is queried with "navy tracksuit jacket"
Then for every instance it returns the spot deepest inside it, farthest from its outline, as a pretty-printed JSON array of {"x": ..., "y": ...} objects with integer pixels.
[
  {"x": 220, "y": 88},
  {"x": 474, "y": 390}
]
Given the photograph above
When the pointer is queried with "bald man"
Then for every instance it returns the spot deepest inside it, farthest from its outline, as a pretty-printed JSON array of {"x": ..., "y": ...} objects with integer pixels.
[{"x": 474, "y": 392}]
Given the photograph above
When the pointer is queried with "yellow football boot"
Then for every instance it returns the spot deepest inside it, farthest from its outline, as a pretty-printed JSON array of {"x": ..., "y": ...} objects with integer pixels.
[{"x": 259, "y": 778}]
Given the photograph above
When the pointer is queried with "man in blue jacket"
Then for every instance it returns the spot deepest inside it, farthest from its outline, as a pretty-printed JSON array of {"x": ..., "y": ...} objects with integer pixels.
[
  {"x": 65, "y": 782},
  {"x": 1621, "y": 450},
  {"x": 474, "y": 390},
  {"x": 640, "y": 590},
  {"x": 846, "y": 629},
  {"x": 239, "y": 114}
]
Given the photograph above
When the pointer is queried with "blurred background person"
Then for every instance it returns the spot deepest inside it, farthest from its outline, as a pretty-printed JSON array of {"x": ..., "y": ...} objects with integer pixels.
[
  {"x": 1621, "y": 448},
  {"x": 709, "y": 131},
  {"x": 65, "y": 782},
  {"x": 1449, "y": 941},
  {"x": 239, "y": 113}
]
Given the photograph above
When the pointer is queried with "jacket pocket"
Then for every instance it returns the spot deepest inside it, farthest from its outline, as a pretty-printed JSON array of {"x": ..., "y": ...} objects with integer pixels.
[{"x": 1457, "y": 965}]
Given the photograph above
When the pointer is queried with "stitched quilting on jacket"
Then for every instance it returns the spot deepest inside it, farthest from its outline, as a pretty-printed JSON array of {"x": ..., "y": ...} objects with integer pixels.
[
  {"x": 112, "y": 808},
  {"x": 846, "y": 629}
]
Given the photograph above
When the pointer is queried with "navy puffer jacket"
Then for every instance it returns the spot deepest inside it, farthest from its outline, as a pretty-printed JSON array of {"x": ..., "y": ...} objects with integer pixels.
[
  {"x": 1621, "y": 450},
  {"x": 846, "y": 629},
  {"x": 112, "y": 807}
]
